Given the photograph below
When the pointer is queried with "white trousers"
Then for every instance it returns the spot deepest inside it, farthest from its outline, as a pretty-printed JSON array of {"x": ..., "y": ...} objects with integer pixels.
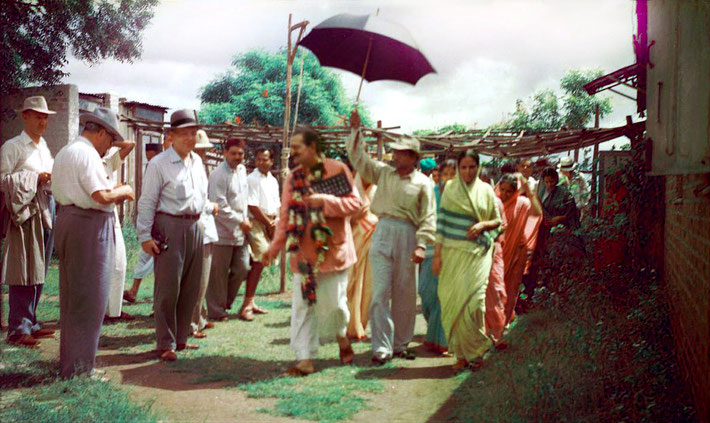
[
  {"x": 326, "y": 319},
  {"x": 118, "y": 277}
]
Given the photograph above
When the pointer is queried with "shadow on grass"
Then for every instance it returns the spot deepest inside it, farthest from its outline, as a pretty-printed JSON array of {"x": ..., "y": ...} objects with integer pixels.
[
  {"x": 283, "y": 324},
  {"x": 281, "y": 341},
  {"x": 126, "y": 341},
  {"x": 15, "y": 380},
  {"x": 444, "y": 371}
]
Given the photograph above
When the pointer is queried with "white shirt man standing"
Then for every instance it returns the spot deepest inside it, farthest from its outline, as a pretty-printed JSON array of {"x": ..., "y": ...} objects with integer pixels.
[
  {"x": 264, "y": 204},
  {"x": 230, "y": 254},
  {"x": 85, "y": 240},
  {"x": 25, "y": 172}
]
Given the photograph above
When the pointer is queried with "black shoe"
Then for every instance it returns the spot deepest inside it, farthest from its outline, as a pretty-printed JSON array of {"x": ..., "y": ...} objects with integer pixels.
[
  {"x": 407, "y": 355},
  {"x": 377, "y": 361}
]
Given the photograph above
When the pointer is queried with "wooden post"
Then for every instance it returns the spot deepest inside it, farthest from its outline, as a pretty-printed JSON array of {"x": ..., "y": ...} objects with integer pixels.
[
  {"x": 285, "y": 150},
  {"x": 380, "y": 143},
  {"x": 595, "y": 166}
]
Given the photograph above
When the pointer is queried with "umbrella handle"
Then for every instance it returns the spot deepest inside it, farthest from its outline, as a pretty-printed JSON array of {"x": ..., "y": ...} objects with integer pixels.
[{"x": 364, "y": 70}]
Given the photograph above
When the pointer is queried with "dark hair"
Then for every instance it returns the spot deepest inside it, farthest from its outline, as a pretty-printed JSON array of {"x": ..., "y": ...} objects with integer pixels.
[
  {"x": 509, "y": 178},
  {"x": 310, "y": 137},
  {"x": 508, "y": 167},
  {"x": 469, "y": 152},
  {"x": 447, "y": 163},
  {"x": 264, "y": 150},
  {"x": 551, "y": 172},
  {"x": 234, "y": 142}
]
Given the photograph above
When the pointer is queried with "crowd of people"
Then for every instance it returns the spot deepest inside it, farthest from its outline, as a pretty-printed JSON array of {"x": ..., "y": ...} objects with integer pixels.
[{"x": 364, "y": 238}]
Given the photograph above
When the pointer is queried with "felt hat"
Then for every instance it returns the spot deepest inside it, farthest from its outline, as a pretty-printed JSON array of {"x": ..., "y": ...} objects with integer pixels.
[
  {"x": 406, "y": 143},
  {"x": 184, "y": 118},
  {"x": 38, "y": 104},
  {"x": 104, "y": 117},
  {"x": 202, "y": 140},
  {"x": 567, "y": 163}
]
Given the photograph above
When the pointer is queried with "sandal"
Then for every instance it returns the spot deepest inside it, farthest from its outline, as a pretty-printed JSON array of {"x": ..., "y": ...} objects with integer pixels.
[
  {"x": 475, "y": 365},
  {"x": 181, "y": 347},
  {"x": 295, "y": 372},
  {"x": 128, "y": 296},
  {"x": 258, "y": 310},
  {"x": 168, "y": 355},
  {"x": 460, "y": 364},
  {"x": 347, "y": 355}
]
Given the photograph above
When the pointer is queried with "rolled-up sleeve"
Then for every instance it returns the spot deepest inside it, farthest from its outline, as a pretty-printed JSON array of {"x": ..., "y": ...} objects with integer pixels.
[
  {"x": 148, "y": 203},
  {"x": 368, "y": 168}
]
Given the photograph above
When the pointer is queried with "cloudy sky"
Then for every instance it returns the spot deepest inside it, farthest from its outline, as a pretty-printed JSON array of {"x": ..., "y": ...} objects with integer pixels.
[{"x": 487, "y": 53}]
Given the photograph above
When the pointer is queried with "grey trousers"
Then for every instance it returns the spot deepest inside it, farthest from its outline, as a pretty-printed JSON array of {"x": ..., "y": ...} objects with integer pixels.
[
  {"x": 49, "y": 235},
  {"x": 178, "y": 271},
  {"x": 199, "y": 315},
  {"x": 230, "y": 266},
  {"x": 85, "y": 267},
  {"x": 394, "y": 278}
]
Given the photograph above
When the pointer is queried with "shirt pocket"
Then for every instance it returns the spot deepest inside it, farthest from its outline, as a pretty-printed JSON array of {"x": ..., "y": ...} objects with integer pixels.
[
  {"x": 183, "y": 186},
  {"x": 410, "y": 197}
]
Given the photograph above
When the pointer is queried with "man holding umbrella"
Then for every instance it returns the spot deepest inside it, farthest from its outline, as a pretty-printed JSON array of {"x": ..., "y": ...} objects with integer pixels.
[{"x": 406, "y": 207}]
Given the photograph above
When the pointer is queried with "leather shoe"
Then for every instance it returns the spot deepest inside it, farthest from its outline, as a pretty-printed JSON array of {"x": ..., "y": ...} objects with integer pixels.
[
  {"x": 23, "y": 340},
  {"x": 181, "y": 347},
  {"x": 199, "y": 335},
  {"x": 246, "y": 315},
  {"x": 168, "y": 355},
  {"x": 43, "y": 333},
  {"x": 209, "y": 325}
]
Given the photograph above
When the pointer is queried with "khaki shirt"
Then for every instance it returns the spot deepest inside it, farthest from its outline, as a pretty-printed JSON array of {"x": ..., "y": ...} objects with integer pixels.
[{"x": 409, "y": 198}]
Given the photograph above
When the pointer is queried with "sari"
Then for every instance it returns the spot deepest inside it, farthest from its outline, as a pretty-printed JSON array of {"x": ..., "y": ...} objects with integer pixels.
[
  {"x": 520, "y": 237},
  {"x": 359, "y": 291},
  {"x": 496, "y": 293},
  {"x": 466, "y": 265},
  {"x": 560, "y": 202},
  {"x": 435, "y": 337}
]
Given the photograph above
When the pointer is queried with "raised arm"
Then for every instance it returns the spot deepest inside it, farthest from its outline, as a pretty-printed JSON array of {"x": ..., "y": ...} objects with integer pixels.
[{"x": 368, "y": 168}]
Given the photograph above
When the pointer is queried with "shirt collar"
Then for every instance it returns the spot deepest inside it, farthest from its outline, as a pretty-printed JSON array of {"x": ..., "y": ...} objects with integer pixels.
[
  {"x": 26, "y": 138},
  {"x": 175, "y": 157}
]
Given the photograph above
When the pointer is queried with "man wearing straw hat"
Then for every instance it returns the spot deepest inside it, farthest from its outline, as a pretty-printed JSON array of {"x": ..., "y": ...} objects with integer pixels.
[
  {"x": 25, "y": 172},
  {"x": 174, "y": 195},
  {"x": 85, "y": 238},
  {"x": 405, "y": 204},
  {"x": 570, "y": 177}
]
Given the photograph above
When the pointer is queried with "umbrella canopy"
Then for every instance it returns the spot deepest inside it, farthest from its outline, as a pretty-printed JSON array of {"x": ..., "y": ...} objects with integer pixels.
[{"x": 344, "y": 41}]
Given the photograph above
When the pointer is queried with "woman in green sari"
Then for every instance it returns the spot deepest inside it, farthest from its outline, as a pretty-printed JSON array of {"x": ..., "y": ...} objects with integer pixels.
[{"x": 467, "y": 226}]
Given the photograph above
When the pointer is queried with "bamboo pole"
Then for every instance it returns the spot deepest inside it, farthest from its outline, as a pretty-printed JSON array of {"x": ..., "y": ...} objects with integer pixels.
[
  {"x": 285, "y": 150},
  {"x": 595, "y": 164},
  {"x": 380, "y": 142}
]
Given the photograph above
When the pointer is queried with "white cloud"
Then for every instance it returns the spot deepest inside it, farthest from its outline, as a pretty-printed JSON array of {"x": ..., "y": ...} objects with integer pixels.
[{"x": 487, "y": 53}]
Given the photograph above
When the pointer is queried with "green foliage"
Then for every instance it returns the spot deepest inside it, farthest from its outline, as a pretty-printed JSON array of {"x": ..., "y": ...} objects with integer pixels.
[
  {"x": 454, "y": 128},
  {"x": 37, "y": 35},
  {"x": 546, "y": 111},
  {"x": 254, "y": 90}
]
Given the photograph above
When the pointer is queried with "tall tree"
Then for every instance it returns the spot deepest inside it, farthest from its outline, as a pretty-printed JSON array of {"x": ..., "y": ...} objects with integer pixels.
[
  {"x": 544, "y": 113},
  {"x": 36, "y": 35},
  {"x": 254, "y": 90}
]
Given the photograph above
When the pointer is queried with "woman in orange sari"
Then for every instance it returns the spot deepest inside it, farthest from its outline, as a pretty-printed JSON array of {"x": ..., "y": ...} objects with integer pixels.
[
  {"x": 521, "y": 212},
  {"x": 359, "y": 290}
]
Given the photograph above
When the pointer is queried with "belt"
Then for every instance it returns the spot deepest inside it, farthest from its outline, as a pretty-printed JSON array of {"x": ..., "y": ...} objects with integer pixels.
[{"x": 181, "y": 216}]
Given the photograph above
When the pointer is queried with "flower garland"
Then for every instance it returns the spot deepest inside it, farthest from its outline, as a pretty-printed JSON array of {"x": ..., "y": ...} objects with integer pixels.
[{"x": 299, "y": 214}]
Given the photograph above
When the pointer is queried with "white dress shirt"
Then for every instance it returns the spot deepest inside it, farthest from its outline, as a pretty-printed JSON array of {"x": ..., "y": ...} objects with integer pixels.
[
  {"x": 264, "y": 192},
  {"x": 79, "y": 172},
  {"x": 229, "y": 189},
  {"x": 21, "y": 153},
  {"x": 174, "y": 186}
]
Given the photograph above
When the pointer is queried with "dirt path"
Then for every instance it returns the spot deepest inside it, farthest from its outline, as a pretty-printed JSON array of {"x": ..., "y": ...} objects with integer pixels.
[{"x": 413, "y": 392}]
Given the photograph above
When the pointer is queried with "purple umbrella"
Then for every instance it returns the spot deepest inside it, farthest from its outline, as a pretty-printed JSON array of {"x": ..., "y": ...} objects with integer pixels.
[{"x": 369, "y": 46}]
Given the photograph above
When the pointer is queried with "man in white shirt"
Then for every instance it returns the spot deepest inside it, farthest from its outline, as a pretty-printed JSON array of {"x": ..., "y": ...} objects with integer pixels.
[
  {"x": 112, "y": 164},
  {"x": 173, "y": 197},
  {"x": 230, "y": 254},
  {"x": 25, "y": 172},
  {"x": 264, "y": 205},
  {"x": 85, "y": 238}
]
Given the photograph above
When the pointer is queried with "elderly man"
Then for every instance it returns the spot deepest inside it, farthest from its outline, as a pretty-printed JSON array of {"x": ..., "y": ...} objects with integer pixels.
[
  {"x": 174, "y": 196},
  {"x": 405, "y": 204},
  {"x": 25, "y": 172},
  {"x": 230, "y": 254},
  {"x": 85, "y": 238},
  {"x": 264, "y": 204}
]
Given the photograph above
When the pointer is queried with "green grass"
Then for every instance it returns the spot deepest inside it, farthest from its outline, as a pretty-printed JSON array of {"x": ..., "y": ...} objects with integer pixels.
[{"x": 74, "y": 401}]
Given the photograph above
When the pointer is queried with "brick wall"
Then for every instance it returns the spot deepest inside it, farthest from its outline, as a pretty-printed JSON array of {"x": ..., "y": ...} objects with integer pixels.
[
  {"x": 62, "y": 127},
  {"x": 687, "y": 275}
]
